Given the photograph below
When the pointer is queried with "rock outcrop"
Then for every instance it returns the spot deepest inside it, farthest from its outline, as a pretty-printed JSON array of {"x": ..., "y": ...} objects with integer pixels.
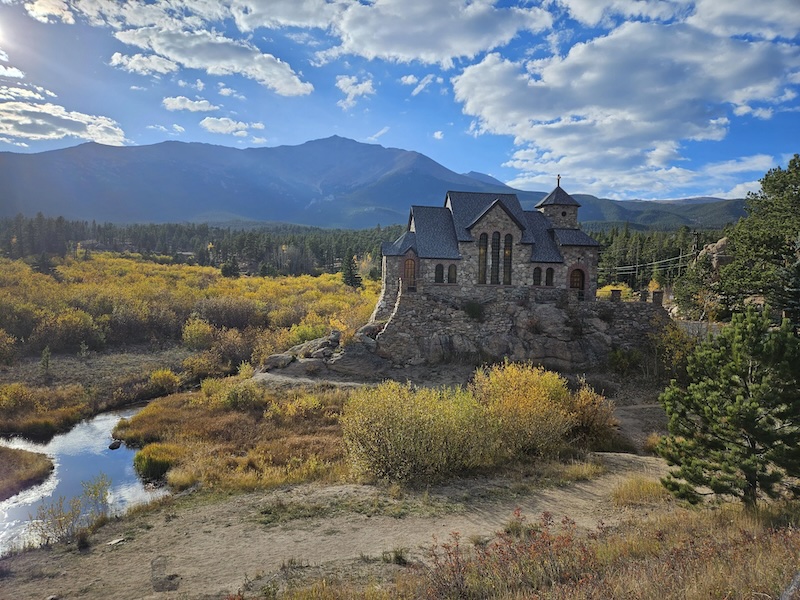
[{"x": 426, "y": 330}]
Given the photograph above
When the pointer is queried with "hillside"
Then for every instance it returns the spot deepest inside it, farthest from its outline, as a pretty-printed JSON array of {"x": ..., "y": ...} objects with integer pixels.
[{"x": 333, "y": 182}]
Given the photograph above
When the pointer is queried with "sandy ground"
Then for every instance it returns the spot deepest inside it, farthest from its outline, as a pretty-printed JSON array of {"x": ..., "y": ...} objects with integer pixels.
[{"x": 200, "y": 547}]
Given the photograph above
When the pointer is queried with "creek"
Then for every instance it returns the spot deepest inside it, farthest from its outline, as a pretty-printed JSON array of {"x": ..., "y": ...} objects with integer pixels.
[{"x": 80, "y": 455}]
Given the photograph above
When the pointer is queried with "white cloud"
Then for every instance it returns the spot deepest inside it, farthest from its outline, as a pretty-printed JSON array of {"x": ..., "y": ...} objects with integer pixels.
[
  {"x": 19, "y": 93},
  {"x": 424, "y": 82},
  {"x": 438, "y": 135},
  {"x": 579, "y": 114},
  {"x": 374, "y": 137},
  {"x": 353, "y": 89},
  {"x": 47, "y": 121},
  {"x": 11, "y": 72},
  {"x": 184, "y": 103},
  {"x": 776, "y": 19},
  {"x": 258, "y": 140},
  {"x": 6, "y": 140},
  {"x": 143, "y": 65},
  {"x": 224, "y": 90},
  {"x": 276, "y": 14},
  {"x": 429, "y": 32},
  {"x": 409, "y": 80},
  {"x": 218, "y": 55},
  {"x": 50, "y": 11},
  {"x": 603, "y": 12},
  {"x": 228, "y": 126},
  {"x": 174, "y": 130},
  {"x": 740, "y": 190}
]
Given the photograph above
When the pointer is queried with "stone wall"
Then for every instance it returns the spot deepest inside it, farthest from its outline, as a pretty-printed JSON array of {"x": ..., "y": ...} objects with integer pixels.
[{"x": 548, "y": 327}]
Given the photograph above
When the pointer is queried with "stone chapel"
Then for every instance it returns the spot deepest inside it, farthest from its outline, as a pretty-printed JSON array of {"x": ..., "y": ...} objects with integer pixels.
[{"x": 485, "y": 241}]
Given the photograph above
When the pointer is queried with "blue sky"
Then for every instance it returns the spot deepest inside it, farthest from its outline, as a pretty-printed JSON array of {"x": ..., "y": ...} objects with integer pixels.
[{"x": 623, "y": 98}]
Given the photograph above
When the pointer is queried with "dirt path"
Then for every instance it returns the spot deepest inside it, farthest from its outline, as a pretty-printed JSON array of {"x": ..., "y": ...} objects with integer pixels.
[{"x": 197, "y": 548}]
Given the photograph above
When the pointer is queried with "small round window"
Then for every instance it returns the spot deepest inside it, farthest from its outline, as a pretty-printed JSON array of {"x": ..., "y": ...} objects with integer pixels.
[{"x": 563, "y": 213}]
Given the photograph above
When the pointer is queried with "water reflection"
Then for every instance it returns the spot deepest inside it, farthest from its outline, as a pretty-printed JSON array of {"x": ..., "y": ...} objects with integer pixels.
[{"x": 79, "y": 455}]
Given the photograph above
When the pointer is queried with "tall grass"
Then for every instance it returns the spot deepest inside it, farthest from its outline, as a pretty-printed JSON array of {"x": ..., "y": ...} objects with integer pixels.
[{"x": 236, "y": 434}]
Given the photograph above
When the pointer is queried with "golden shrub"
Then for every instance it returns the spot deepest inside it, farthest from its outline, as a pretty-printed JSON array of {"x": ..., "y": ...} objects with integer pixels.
[
  {"x": 399, "y": 433},
  {"x": 198, "y": 334},
  {"x": 528, "y": 406},
  {"x": 164, "y": 381}
]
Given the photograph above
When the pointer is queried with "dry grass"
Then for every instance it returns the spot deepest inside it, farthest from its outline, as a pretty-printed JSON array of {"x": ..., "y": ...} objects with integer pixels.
[
  {"x": 273, "y": 438},
  {"x": 20, "y": 469},
  {"x": 675, "y": 553},
  {"x": 639, "y": 491}
]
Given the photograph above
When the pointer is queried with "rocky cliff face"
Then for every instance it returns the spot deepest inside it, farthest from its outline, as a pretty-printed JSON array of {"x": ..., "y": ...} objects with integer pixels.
[
  {"x": 514, "y": 324},
  {"x": 565, "y": 336}
]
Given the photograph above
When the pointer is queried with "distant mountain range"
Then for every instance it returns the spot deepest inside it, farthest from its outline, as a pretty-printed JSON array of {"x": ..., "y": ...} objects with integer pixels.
[{"x": 333, "y": 182}]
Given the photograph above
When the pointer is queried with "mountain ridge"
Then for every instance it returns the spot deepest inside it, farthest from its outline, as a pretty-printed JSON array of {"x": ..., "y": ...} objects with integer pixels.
[{"x": 331, "y": 182}]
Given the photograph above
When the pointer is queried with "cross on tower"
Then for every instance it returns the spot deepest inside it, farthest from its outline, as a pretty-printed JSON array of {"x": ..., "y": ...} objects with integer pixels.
[{"x": 559, "y": 181}]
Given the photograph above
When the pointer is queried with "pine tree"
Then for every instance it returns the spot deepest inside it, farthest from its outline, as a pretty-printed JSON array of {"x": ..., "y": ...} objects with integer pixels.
[
  {"x": 350, "y": 274},
  {"x": 735, "y": 429},
  {"x": 763, "y": 242}
]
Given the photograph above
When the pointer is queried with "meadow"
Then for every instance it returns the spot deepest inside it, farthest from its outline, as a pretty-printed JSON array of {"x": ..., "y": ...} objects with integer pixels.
[{"x": 85, "y": 310}]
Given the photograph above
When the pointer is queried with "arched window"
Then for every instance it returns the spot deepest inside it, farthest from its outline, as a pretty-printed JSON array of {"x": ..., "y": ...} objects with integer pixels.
[
  {"x": 577, "y": 281},
  {"x": 537, "y": 276},
  {"x": 548, "y": 277},
  {"x": 507, "y": 243},
  {"x": 496, "y": 258},
  {"x": 451, "y": 274},
  {"x": 438, "y": 276},
  {"x": 483, "y": 242},
  {"x": 410, "y": 274}
]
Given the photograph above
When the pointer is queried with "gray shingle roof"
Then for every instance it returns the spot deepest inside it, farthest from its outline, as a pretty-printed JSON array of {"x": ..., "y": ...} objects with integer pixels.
[
  {"x": 545, "y": 249},
  {"x": 558, "y": 197},
  {"x": 468, "y": 207},
  {"x": 436, "y": 236},
  {"x": 401, "y": 245},
  {"x": 573, "y": 237}
]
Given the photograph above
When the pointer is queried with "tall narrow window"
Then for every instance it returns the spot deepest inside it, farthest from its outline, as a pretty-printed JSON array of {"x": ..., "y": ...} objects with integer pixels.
[
  {"x": 537, "y": 276},
  {"x": 410, "y": 275},
  {"x": 507, "y": 244},
  {"x": 548, "y": 277},
  {"x": 577, "y": 282},
  {"x": 483, "y": 242},
  {"x": 496, "y": 258},
  {"x": 451, "y": 274},
  {"x": 438, "y": 276}
]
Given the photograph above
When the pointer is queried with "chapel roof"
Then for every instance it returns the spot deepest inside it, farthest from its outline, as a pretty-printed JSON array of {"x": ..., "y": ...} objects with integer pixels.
[
  {"x": 573, "y": 237},
  {"x": 436, "y": 235},
  {"x": 469, "y": 207},
  {"x": 558, "y": 197},
  {"x": 545, "y": 250}
]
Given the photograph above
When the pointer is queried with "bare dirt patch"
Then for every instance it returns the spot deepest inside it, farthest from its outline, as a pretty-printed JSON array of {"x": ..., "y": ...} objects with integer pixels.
[{"x": 202, "y": 545}]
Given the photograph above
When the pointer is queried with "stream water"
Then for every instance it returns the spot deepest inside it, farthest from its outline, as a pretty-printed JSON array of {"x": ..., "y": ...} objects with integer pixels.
[{"x": 79, "y": 455}]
